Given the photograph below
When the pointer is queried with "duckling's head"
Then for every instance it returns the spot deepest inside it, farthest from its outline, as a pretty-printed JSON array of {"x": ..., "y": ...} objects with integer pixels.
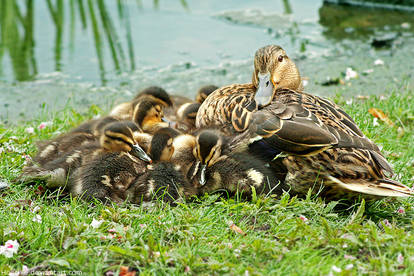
[
  {"x": 208, "y": 150},
  {"x": 156, "y": 93},
  {"x": 204, "y": 91},
  {"x": 119, "y": 137},
  {"x": 148, "y": 113},
  {"x": 161, "y": 147},
  {"x": 187, "y": 113},
  {"x": 273, "y": 69}
]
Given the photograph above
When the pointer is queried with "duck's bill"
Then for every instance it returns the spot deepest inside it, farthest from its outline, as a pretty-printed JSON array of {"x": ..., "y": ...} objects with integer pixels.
[
  {"x": 140, "y": 153},
  {"x": 203, "y": 175},
  {"x": 264, "y": 92}
]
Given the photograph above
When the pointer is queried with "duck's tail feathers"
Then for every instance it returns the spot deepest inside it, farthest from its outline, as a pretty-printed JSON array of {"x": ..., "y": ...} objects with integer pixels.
[{"x": 377, "y": 187}]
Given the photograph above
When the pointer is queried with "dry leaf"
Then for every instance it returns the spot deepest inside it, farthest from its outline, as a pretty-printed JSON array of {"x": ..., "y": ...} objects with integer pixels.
[
  {"x": 362, "y": 97},
  {"x": 236, "y": 229},
  {"x": 124, "y": 271},
  {"x": 378, "y": 113}
]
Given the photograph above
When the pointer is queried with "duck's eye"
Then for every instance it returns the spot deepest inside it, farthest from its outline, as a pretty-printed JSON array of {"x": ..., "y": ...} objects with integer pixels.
[{"x": 280, "y": 58}]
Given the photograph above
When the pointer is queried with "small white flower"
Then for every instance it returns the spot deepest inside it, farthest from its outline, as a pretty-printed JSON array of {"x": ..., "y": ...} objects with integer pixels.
[
  {"x": 349, "y": 102},
  {"x": 405, "y": 25},
  {"x": 368, "y": 71},
  {"x": 400, "y": 258},
  {"x": 96, "y": 223},
  {"x": 350, "y": 74},
  {"x": 29, "y": 130},
  {"x": 349, "y": 266},
  {"x": 336, "y": 269},
  {"x": 401, "y": 210},
  {"x": 9, "y": 248},
  {"x": 37, "y": 219},
  {"x": 375, "y": 122},
  {"x": 303, "y": 218},
  {"x": 382, "y": 98},
  {"x": 42, "y": 125},
  {"x": 349, "y": 257},
  {"x": 378, "y": 62},
  {"x": 35, "y": 209}
]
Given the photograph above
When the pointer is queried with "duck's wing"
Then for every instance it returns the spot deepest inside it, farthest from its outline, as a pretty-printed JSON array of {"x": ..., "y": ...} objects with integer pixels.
[{"x": 378, "y": 187}]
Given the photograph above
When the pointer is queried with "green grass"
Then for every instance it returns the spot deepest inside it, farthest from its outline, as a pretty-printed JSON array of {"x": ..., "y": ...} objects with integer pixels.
[{"x": 195, "y": 237}]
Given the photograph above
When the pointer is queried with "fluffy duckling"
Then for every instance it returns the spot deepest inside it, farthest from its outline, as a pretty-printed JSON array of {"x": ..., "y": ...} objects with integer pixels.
[
  {"x": 204, "y": 91},
  {"x": 323, "y": 147},
  {"x": 221, "y": 169},
  {"x": 148, "y": 117},
  {"x": 121, "y": 176},
  {"x": 116, "y": 137},
  {"x": 186, "y": 116},
  {"x": 163, "y": 181},
  {"x": 154, "y": 93}
]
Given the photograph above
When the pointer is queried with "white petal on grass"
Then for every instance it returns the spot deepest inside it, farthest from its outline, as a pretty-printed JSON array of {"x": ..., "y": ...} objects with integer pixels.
[
  {"x": 400, "y": 258},
  {"x": 336, "y": 269},
  {"x": 350, "y": 74},
  {"x": 9, "y": 248},
  {"x": 96, "y": 223},
  {"x": 378, "y": 62},
  {"x": 375, "y": 122},
  {"x": 349, "y": 266},
  {"x": 37, "y": 219},
  {"x": 29, "y": 130}
]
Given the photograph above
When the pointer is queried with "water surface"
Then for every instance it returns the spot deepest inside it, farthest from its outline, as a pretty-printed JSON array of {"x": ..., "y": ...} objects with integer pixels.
[{"x": 101, "y": 52}]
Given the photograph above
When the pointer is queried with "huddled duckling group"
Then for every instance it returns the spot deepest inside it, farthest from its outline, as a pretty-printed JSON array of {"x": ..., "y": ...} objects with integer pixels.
[{"x": 267, "y": 136}]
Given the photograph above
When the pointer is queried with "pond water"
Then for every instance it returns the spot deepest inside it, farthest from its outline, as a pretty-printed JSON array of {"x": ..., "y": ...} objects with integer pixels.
[{"x": 54, "y": 53}]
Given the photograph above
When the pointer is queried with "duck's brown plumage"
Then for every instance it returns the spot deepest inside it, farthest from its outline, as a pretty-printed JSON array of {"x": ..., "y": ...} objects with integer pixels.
[{"x": 324, "y": 145}]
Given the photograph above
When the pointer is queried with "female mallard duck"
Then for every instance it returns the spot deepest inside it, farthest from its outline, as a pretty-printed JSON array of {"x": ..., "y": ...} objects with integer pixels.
[
  {"x": 147, "y": 118},
  {"x": 116, "y": 137},
  {"x": 322, "y": 144}
]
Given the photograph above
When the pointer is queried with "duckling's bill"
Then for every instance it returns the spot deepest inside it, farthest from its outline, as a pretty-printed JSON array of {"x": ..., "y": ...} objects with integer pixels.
[
  {"x": 264, "y": 92},
  {"x": 203, "y": 175},
  {"x": 140, "y": 153}
]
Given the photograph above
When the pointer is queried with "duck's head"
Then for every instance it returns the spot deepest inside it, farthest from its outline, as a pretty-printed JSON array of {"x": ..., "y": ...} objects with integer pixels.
[
  {"x": 119, "y": 137},
  {"x": 273, "y": 69},
  {"x": 208, "y": 150},
  {"x": 148, "y": 113},
  {"x": 157, "y": 94},
  {"x": 204, "y": 91},
  {"x": 161, "y": 147}
]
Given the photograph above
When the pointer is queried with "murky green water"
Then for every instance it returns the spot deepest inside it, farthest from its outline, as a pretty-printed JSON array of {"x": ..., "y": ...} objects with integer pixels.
[{"x": 83, "y": 52}]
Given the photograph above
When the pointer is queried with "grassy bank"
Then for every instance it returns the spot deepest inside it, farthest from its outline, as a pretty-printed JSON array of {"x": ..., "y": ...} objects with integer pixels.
[{"x": 273, "y": 235}]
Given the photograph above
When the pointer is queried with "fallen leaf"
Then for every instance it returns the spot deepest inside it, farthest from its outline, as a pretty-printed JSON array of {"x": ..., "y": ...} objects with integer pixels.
[
  {"x": 124, "y": 271},
  {"x": 378, "y": 113},
  {"x": 236, "y": 229},
  {"x": 362, "y": 97}
]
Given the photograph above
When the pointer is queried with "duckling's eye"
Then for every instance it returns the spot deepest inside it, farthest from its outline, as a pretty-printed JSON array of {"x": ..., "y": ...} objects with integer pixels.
[{"x": 280, "y": 58}]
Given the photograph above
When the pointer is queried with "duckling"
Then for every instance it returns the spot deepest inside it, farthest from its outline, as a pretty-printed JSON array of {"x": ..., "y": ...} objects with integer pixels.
[
  {"x": 186, "y": 116},
  {"x": 162, "y": 181},
  {"x": 204, "y": 91},
  {"x": 219, "y": 169},
  {"x": 116, "y": 176},
  {"x": 154, "y": 93},
  {"x": 311, "y": 139},
  {"x": 148, "y": 116},
  {"x": 116, "y": 137}
]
